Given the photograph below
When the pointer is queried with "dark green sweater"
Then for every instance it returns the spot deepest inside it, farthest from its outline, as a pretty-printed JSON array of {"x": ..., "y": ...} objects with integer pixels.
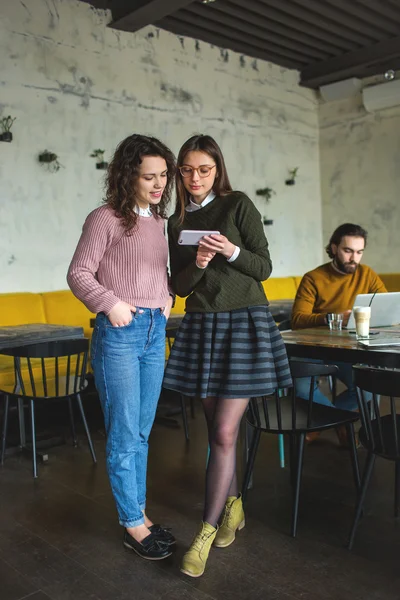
[{"x": 222, "y": 286}]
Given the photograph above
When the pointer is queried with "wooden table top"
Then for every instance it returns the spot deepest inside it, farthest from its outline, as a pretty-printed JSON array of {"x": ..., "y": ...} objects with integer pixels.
[
  {"x": 13, "y": 336},
  {"x": 319, "y": 342}
]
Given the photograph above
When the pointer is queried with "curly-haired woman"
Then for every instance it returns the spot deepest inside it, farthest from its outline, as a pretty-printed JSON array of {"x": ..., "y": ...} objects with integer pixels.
[{"x": 119, "y": 271}]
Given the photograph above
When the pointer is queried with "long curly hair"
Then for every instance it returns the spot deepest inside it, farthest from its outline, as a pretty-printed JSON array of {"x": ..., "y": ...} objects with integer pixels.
[
  {"x": 123, "y": 172},
  {"x": 206, "y": 144}
]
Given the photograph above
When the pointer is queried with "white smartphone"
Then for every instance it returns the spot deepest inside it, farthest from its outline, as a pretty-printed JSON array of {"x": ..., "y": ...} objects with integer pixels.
[{"x": 191, "y": 237}]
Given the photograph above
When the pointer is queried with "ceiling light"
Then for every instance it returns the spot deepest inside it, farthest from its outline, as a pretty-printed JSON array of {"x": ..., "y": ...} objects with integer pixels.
[{"x": 207, "y": 1}]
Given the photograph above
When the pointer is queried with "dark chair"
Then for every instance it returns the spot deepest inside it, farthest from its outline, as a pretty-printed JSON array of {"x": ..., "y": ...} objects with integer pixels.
[
  {"x": 170, "y": 335},
  {"x": 285, "y": 325},
  {"x": 284, "y": 413},
  {"x": 379, "y": 433},
  {"x": 48, "y": 372}
]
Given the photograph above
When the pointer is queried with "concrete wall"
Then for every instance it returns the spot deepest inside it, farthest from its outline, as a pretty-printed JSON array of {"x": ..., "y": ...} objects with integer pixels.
[
  {"x": 75, "y": 85},
  {"x": 360, "y": 176}
]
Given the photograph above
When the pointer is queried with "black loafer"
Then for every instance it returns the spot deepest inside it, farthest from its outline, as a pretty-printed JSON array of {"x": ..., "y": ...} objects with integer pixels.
[
  {"x": 150, "y": 548},
  {"x": 163, "y": 534}
]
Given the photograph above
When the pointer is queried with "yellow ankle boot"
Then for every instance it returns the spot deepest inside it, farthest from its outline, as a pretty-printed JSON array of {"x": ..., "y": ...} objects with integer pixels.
[
  {"x": 194, "y": 561},
  {"x": 232, "y": 520}
]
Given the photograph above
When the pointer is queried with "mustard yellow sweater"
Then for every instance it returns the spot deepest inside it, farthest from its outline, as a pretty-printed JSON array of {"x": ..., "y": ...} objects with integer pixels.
[{"x": 324, "y": 290}]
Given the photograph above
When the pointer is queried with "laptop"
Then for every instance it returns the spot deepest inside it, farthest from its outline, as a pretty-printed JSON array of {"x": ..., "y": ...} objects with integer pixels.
[{"x": 385, "y": 309}]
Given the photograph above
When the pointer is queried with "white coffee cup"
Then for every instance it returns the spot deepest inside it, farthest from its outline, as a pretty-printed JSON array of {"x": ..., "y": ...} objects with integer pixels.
[{"x": 362, "y": 316}]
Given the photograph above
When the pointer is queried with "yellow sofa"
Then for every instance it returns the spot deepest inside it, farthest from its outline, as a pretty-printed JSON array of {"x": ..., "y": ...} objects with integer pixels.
[{"x": 391, "y": 281}]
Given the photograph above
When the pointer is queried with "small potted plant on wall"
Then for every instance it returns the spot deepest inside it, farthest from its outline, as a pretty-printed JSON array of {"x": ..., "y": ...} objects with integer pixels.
[
  {"x": 292, "y": 176},
  {"x": 6, "y": 123},
  {"x": 99, "y": 156},
  {"x": 49, "y": 160},
  {"x": 266, "y": 193}
]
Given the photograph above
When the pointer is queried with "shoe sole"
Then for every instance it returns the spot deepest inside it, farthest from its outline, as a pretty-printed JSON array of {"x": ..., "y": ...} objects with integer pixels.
[
  {"x": 191, "y": 574},
  {"x": 240, "y": 527},
  {"x": 146, "y": 557}
]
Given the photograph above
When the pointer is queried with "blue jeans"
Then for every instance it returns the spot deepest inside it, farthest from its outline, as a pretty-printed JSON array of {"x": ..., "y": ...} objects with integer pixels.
[
  {"x": 128, "y": 365},
  {"x": 347, "y": 400}
]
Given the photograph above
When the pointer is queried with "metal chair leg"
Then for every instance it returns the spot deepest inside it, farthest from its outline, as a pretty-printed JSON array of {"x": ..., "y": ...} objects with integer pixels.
[
  {"x": 353, "y": 455},
  {"x": 296, "y": 494},
  {"x": 361, "y": 497},
  {"x": 250, "y": 463},
  {"x": 4, "y": 431},
  {"x": 396, "y": 489},
  {"x": 292, "y": 459},
  {"x": 184, "y": 416},
  {"x": 72, "y": 422},
  {"x": 89, "y": 439},
  {"x": 33, "y": 429}
]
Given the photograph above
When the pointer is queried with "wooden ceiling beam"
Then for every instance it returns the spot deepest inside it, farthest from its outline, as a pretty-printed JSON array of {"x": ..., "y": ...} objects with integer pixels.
[
  {"x": 285, "y": 34},
  {"x": 255, "y": 27},
  {"x": 132, "y": 16},
  {"x": 275, "y": 11},
  {"x": 176, "y": 26},
  {"x": 235, "y": 29},
  {"x": 381, "y": 17},
  {"x": 348, "y": 23},
  {"x": 348, "y": 65}
]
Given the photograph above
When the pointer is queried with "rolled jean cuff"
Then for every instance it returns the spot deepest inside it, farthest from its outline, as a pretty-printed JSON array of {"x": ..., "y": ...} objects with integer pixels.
[{"x": 135, "y": 523}]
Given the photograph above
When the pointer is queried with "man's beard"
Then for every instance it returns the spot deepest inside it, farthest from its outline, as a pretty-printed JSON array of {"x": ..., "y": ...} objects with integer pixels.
[{"x": 345, "y": 267}]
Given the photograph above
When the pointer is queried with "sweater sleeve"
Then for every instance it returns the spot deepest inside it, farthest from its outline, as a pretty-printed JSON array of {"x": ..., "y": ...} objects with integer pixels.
[
  {"x": 376, "y": 286},
  {"x": 254, "y": 259},
  {"x": 97, "y": 236},
  {"x": 303, "y": 314},
  {"x": 184, "y": 277}
]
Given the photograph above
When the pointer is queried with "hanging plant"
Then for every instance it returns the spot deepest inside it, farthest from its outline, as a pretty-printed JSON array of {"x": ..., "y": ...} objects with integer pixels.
[
  {"x": 49, "y": 161},
  {"x": 266, "y": 192},
  {"x": 292, "y": 176},
  {"x": 100, "y": 162},
  {"x": 6, "y": 123}
]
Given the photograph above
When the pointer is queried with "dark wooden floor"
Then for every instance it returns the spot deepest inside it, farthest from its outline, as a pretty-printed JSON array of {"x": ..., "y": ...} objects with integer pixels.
[{"x": 59, "y": 536}]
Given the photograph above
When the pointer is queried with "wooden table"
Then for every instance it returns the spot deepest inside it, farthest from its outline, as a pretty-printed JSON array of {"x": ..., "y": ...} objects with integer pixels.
[
  {"x": 342, "y": 346},
  {"x": 14, "y": 336}
]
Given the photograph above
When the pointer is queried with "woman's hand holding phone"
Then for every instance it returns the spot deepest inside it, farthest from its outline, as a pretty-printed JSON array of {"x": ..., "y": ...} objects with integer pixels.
[
  {"x": 217, "y": 243},
  {"x": 203, "y": 257}
]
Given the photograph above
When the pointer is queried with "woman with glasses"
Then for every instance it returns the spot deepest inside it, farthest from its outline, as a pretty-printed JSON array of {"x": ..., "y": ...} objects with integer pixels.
[
  {"x": 119, "y": 271},
  {"x": 228, "y": 348}
]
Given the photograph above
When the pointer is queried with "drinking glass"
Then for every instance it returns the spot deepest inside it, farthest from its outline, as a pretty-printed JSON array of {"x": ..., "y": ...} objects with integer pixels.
[{"x": 335, "y": 321}]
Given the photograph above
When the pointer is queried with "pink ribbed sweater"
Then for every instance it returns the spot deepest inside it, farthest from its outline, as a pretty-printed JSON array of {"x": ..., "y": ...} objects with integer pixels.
[{"x": 109, "y": 266}]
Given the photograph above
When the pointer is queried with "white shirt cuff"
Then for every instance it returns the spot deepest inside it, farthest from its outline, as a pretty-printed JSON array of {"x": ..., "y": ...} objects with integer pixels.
[{"x": 234, "y": 255}]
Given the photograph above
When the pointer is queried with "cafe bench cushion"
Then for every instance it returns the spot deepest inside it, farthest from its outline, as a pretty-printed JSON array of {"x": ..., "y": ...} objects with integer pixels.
[
  {"x": 21, "y": 308},
  {"x": 391, "y": 281},
  {"x": 280, "y": 288},
  {"x": 63, "y": 308}
]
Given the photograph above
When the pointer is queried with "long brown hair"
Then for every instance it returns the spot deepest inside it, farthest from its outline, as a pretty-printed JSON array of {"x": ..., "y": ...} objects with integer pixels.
[
  {"x": 206, "y": 144},
  {"x": 123, "y": 172}
]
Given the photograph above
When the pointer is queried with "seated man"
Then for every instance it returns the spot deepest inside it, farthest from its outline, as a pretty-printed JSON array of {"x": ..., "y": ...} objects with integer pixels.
[{"x": 332, "y": 288}]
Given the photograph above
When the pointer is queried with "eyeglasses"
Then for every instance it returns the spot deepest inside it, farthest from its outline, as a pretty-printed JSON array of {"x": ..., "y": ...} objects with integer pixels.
[{"x": 203, "y": 170}]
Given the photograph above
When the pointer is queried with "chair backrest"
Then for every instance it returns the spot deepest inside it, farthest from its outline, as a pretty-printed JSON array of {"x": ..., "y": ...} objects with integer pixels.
[
  {"x": 272, "y": 413},
  {"x": 380, "y": 423},
  {"x": 285, "y": 325},
  {"x": 50, "y": 369}
]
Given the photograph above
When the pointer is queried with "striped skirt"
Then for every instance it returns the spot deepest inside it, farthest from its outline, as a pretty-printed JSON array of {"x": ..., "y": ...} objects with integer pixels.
[{"x": 236, "y": 354}]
